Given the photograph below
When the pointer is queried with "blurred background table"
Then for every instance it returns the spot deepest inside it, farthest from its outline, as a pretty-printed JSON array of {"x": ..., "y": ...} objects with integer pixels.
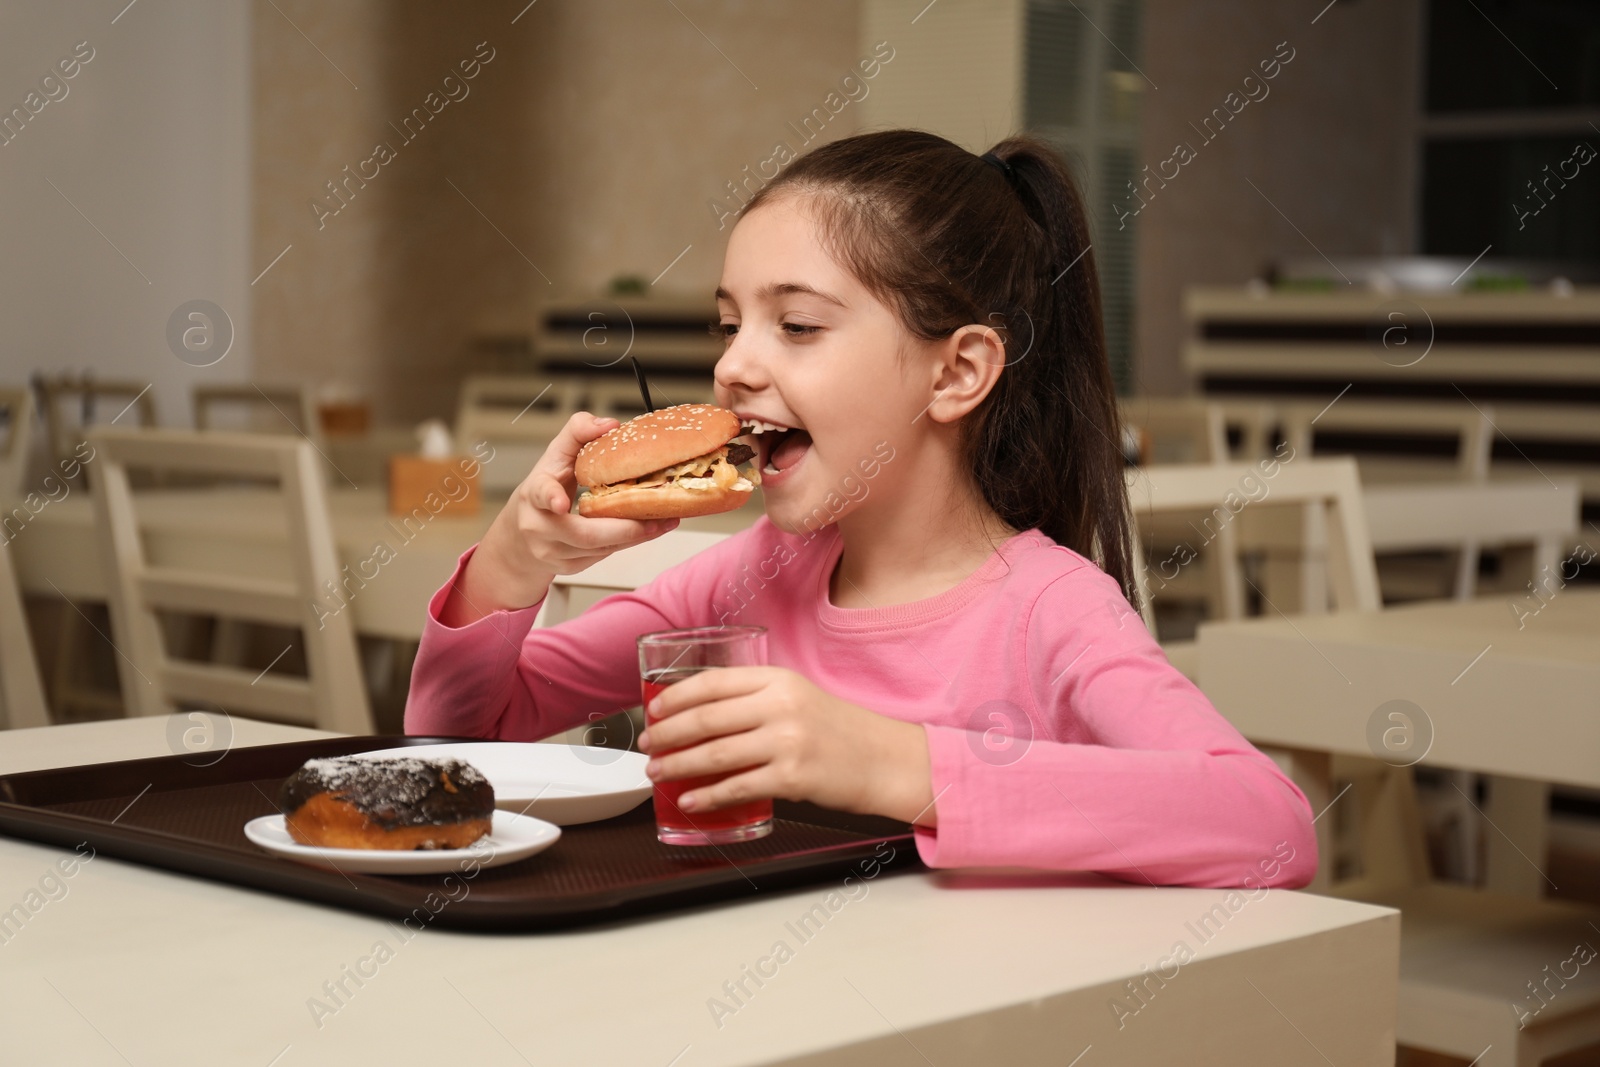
[
  {"x": 59, "y": 555},
  {"x": 1505, "y": 693}
]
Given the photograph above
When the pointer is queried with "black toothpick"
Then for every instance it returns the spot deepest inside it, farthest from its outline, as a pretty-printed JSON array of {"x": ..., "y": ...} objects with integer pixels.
[{"x": 644, "y": 390}]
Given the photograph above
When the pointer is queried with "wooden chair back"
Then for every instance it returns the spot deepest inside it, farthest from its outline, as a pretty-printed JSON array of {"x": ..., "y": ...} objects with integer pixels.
[
  {"x": 518, "y": 414},
  {"x": 516, "y": 407},
  {"x": 1331, "y": 487},
  {"x": 22, "y": 702},
  {"x": 71, "y": 403},
  {"x": 331, "y": 696},
  {"x": 265, "y": 408},
  {"x": 1471, "y": 426},
  {"x": 1186, "y": 429},
  {"x": 1334, "y": 524},
  {"x": 1176, "y": 429},
  {"x": 1191, "y": 429},
  {"x": 666, "y": 391},
  {"x": 1255, "y": 421},
  {"x": 18, "y": 409},
  {"x": 618, "y": 396}
]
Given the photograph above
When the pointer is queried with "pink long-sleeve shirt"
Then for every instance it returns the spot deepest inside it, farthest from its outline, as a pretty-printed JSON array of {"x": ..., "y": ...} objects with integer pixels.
[{"x": 1059, "y": 735}]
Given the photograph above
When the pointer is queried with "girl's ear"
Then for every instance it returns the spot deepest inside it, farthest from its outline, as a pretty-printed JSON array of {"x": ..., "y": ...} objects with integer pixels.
[{"x": 967, "y": 364}]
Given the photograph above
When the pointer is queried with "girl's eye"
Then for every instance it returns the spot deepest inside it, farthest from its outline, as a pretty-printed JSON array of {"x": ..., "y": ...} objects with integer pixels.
[{"x": 726, "y": 330}]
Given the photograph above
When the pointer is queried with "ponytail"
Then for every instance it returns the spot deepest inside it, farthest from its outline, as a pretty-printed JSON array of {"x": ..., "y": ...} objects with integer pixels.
[
  {"x": 1010, "y": 236},
  {"x": 1073, "y": 483}
]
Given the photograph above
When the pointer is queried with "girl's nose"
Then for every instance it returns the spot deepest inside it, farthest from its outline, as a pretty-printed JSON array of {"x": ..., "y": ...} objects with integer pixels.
[{"x": 740, "y": 370}]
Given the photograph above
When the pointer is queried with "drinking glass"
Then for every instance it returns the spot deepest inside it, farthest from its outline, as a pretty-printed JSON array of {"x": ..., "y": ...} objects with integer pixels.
[{"x": 665, "y": 658}]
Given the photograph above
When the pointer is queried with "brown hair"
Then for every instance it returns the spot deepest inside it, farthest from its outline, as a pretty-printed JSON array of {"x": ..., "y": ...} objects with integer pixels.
[{"x": 947, "y": 239}]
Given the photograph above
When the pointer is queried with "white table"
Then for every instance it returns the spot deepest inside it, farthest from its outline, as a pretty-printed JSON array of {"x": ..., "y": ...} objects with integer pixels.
[
  {"x": 1507, "y": 694},
  {"x": 974, "y": 968},
  {"x": 57, "y": 552},
  {"x": 1504, "y": 693}
]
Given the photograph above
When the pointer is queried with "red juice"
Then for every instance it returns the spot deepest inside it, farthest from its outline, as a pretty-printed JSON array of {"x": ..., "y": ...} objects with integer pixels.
[{"x": 737, "y": 822}]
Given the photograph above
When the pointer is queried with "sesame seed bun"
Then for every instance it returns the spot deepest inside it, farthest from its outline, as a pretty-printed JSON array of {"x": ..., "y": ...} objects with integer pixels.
[
  {"x": 654, "y": 441},
  {"x": 661, "y": 502},
  {"x": 648, "y": 446}
]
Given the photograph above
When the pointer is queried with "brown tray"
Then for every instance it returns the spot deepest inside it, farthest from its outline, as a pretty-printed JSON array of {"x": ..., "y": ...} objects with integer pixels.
[{"x": 170, "y": 813}]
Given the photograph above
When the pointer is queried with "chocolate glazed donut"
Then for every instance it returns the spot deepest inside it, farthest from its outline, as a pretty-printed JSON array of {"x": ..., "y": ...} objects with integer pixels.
[{"x": 401, "y": 803}]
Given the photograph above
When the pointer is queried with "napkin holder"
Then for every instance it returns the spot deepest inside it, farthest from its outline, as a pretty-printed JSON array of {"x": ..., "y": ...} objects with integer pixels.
[
  {"x": 344, "y": 418},
  {"x": 435, "y": 486}
]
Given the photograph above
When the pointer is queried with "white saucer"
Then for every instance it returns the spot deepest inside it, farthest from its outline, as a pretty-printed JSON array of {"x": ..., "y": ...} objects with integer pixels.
[
  {"x": 511, "y": 837},
  {"x": 563, "y": 784}
]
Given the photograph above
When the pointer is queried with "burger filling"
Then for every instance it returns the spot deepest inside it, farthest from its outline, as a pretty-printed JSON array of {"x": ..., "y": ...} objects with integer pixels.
[{"x": 714, "y": 470}]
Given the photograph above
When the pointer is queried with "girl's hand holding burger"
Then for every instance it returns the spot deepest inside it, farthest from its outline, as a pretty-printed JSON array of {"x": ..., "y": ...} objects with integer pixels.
[{"x": 536, "y": 537}]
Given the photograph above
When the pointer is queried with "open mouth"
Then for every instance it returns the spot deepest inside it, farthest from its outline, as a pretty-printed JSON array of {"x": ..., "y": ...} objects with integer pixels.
[{"x": 777, "y": 447}]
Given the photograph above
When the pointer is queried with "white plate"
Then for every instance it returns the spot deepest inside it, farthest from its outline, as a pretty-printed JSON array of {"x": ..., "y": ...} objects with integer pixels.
[
  {"x": 511, "y": 837},
  {"x": 563, "y": 784}
]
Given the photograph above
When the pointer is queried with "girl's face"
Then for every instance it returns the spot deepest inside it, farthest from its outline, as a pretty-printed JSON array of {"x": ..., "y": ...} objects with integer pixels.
[{"x": 810, "y": 350}]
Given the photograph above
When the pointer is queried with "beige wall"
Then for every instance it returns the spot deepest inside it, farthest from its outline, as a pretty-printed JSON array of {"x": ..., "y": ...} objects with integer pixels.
[
  {"x": 646, "y": 123},
  {"x": 594, "y": 141},
  {"x": 1330, "y": 146},
  {"x": 381, "y": 295},
  {"x": 956, "y": 68},
  {"x": 600, "y": 134}
]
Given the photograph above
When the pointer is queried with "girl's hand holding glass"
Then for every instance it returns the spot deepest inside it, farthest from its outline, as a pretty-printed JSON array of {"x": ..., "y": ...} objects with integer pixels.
[
  {"x": 793, "y": 740},
  {"x": 536, "y": 537}
]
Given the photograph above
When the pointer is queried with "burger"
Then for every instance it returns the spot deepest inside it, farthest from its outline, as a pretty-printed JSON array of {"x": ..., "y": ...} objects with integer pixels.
[{"x": 670, "y": 463}]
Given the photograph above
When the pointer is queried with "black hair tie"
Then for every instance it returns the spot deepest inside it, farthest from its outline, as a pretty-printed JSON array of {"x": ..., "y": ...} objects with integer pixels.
[
  {"x": 1009, "y": 172},
  {"x": 1000, "y": 165}
]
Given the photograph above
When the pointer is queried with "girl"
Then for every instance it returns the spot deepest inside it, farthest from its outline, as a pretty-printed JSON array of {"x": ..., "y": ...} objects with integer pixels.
[{"x": 924, "y": 323}]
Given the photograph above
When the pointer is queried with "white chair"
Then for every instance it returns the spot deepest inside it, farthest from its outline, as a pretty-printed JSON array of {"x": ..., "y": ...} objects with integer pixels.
[
  {"x": 252, "y": 408},
  {"x": 1187, "y": 430},
  {"x": 516, "y": 407},
  {"x": 1225, "y": 491},
  {"x": 1331, "y": 490},
  {"x": 22, "y": 700},
  {"x": 257, "y": 409},
  {"x": 331, "y": 695},
  {"x": 1176, "y": 429},
  {"x": 1571, "y": 427},
  {"x": 1471, "y": 428},
  {"x": 668, "y": 390},
  {"x": 17, "y": 405},
  {"x": 1222, "y": 493},
  {"x": 617, "y": 396},
  {"x": 628, "y": 569},
  {"x": 71, "y": 403},
  {"x": 1254, "y": 421},
  {"x": 1194, "y": 429},
  {"x": 518, "y": 414}
]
